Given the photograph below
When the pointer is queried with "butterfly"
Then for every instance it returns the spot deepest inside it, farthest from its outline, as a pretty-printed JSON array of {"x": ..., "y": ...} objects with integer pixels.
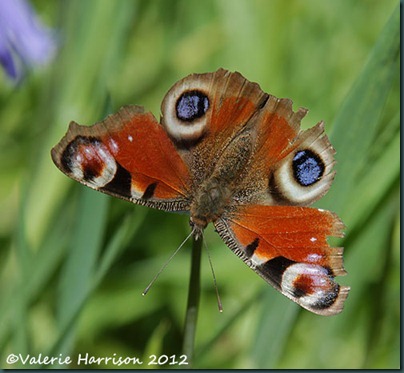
[{"x": 229, "y": 154}]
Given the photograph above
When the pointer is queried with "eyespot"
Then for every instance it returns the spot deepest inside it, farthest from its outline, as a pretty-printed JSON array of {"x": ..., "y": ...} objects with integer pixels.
[
  {"x": 305, "y": 173},
  {"x": 307, "y": 167},
  {"x": 192, "y": 105},
  {"x": 187, "y": 107},
  {"x": 90, "y": 161},
  {"x": 312, "y": 284}
]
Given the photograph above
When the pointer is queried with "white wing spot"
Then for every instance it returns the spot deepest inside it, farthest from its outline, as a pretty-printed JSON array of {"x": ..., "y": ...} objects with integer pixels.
[
  {"x": 256, "y": 260},
  {"x": 313, "y": 258},
  {"x": 130, "y": 138},
  {"x": 114, "y": 145},
  {"x": 313, "y": 239}
]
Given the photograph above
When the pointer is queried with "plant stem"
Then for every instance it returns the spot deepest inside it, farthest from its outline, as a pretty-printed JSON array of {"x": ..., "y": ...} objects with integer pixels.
[{"x": 193, "y": 301}]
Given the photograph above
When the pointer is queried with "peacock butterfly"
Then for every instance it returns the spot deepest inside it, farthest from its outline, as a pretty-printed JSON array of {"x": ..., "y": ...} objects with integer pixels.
[{"x": 230, "y": 154}]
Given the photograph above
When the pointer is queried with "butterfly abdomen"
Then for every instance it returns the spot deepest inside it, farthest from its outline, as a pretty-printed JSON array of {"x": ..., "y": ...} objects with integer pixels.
[{"x": 214, "y": 194}]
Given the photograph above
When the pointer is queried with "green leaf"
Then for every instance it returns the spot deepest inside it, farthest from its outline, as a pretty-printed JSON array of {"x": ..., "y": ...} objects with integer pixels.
[
  {"x": 83, "y": 251},
  {"x": 357, "y": 124}
]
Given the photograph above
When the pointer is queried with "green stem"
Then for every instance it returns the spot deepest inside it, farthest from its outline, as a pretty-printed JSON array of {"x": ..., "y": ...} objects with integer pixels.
[{"x": 193, "y": 301}]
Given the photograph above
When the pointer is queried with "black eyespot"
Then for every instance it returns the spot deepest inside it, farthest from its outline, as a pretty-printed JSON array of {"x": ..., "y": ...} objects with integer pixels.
[
  {"x": 329, "y": 298},
  {"x": 70, "y": 153},
  {"x": 307, "y": 167},
  {"x": 192, "y": 105}
]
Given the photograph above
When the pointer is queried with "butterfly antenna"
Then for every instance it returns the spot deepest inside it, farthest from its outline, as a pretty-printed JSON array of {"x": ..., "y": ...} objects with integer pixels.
[
  {"x": 219, "y": 302},
  {"x": 166, "y": 263}
]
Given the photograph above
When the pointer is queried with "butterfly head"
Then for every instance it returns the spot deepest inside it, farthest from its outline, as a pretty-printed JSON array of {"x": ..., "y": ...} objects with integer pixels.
[{"x": 209, "y": 203}]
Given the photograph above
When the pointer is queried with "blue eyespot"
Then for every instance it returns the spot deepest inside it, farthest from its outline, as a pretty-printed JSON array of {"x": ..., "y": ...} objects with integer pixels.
[
  {"x": 192, "y": 105},
  {"x": 307, "y": 167}
]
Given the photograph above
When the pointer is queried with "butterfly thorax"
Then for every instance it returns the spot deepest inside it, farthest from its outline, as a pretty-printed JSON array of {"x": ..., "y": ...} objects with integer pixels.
[
  {"x": 214, "y": 193},
  {"x": 209, "y": 203}
]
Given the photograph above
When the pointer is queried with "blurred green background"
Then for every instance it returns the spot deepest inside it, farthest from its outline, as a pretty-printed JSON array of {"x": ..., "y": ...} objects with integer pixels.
[{"x": 73, "y": 262}]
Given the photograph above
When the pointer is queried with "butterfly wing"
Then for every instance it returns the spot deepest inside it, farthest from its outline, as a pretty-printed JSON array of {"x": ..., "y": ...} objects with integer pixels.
[
  {"x": 287, "y": 246},
  {"x": 127, "y": 155},
  {"x": 267, "y": 225},
  {"x": 289, "y": 166},
  {"x": 204, "y": 113}
]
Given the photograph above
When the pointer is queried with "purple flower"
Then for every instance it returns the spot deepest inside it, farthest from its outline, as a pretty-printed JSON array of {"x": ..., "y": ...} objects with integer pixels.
[{"x": 24, "y": 41}]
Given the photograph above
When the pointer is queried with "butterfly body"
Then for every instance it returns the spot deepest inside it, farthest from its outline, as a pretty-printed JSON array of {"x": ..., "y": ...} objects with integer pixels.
[{"x": 231, "y": 155}]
